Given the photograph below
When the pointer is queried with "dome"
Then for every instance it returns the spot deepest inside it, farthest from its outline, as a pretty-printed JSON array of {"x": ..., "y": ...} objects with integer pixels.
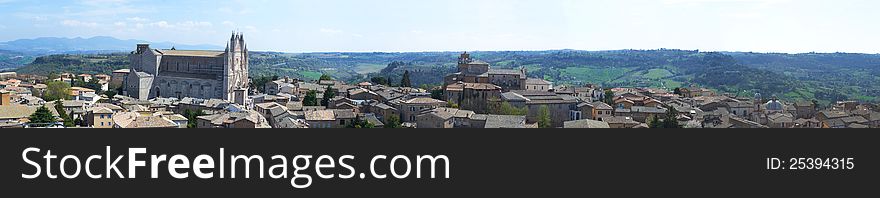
[{"x": 774, "y": 105}]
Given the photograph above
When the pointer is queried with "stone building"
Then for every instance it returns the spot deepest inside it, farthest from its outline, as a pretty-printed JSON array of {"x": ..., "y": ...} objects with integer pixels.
[
  {"x": 473, "y": 96},
  {"x": 190, "y": 73},
  {"x": 474, "y": 71}
]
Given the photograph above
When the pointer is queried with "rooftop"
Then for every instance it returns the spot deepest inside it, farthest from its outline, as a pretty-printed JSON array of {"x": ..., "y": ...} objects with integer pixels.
[
  {"x": 585, "y": 124},
  {"x": 196, "y": 53}
]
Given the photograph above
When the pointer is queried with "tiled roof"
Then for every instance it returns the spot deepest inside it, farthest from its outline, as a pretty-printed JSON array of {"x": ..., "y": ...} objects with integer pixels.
[
  {"x": 423, "y": 100},
  {"x": 586, "y": 124},
  {"x": 320, "y": 115}
]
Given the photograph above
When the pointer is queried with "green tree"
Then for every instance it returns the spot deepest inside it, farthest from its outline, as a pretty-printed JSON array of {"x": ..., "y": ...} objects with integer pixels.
[
  {"x": 379, "y": 80},
  {"x": 609, "y": 97},
  {"x": 451, "y": 104},
  {"x": 544, "y": 120},
  {"x": 505, "y": 108},
  {"x": 192, "y": 117},
  {"x": 360, "y": 124},
  {"x": 437, "y": 94},
  {"x": 393, "y": 122},
  {"x": 671, "y": 121},
  {"x": 405, "y": 82},
  {"x": 325, "y": 77},
  {"x": 57, "y": 90},
  {"x": 654, "y": 122},
  {"x": 311, "y": 98},
  {"x": 43, "y": 116},
  {"x": 677, "y": 91},
  {"x": 59, "y": 106},
  {"x": 110, "y": 93},
  {"x": 329, "y": 94}
]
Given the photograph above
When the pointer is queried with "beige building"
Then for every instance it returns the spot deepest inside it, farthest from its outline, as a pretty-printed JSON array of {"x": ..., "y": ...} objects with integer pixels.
[
  {"x": 100, "y": 117},
  {"x": 409, "y": 109},
  {"x": 473, "y": 96}
]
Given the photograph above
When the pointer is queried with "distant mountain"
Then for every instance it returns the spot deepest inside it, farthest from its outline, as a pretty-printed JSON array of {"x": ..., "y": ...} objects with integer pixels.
[{"x": 94, "y": 45}]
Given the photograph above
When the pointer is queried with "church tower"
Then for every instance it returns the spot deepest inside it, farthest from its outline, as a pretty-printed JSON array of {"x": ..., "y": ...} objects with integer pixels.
[{"x": 236, "y": 70}]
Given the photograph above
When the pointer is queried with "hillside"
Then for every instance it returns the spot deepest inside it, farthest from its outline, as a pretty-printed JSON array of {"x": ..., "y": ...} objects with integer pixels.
[
  {"x": 824, "y": 77},
  {"x": 11, "y": 60}
]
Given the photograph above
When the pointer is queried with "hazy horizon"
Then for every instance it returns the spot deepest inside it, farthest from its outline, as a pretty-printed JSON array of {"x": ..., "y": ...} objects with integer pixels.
[{"x": 766, "y": 26}]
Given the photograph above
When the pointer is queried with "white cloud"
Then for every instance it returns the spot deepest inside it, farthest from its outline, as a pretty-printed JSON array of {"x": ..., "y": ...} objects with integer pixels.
[
  {"x": 228, "y": 23},
  {"x": 330, "y": 31},
  {"x": 76, "y": 23},
  {"x": 137, "y": 19}
]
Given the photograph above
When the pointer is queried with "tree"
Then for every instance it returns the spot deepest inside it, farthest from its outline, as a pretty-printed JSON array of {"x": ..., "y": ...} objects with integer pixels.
[
  {"x": 68, "y": 122},
  {"x": 192, "y": 117},
  {"x": 311, "y": 98},
  {"x": 405, "y": 82},
  {"x": 379, "y": 80},
  {"x": 505, "y": 108},
  {"x": 110, "y": 93},
  {"x": 42, "y": 116},
  {"x": 677, "y": 91},
  {"x": 609, "y": 97},
  {"x": 360, "y": 124},
  {"x": 53, "y": 76},
  {"x": 671, "y": 121},
  {"x": 329, "y": 94},
  {"x": 437, "y": 94},
  {"x": 451, "y": 104},
  {"x": 654, "y": 122},
  {"x": 56, "y": 90},
  {"x": 393, "y": 122},
  {"x": 544, "y": 120},
  {"x": 325, "y": 77}
]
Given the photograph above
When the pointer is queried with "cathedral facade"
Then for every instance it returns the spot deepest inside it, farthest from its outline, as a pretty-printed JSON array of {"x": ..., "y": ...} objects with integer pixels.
[{"x": 190, "y": 73}]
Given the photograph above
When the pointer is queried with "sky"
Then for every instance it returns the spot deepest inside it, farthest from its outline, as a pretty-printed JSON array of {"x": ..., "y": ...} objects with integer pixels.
[{"x": 790, "y": 26}]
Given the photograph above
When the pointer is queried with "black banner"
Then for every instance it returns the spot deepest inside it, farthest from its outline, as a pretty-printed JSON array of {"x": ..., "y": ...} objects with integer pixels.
[{"x": 484, "y": 162}]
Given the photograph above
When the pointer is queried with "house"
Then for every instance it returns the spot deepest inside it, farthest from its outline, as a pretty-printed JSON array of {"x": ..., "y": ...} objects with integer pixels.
[
  {"x": 491, "y": 121},
  {"x": 273, "y": 112},
  {"x": 382, "y": 111},
  {"x": 239, "y": 119},
  {"x": 409, "y": 109},
  {"x": 619, "y": 122},
  {"x": 16, "y": 116},
  {"x": 831, "y": 114},
  {"x": 100, "y": 117},
  {"x": 780, "y": 120},
  {"x": 445, "y": 118},
  {"x": 585, "y": 124},
  {"x": 473, "y": 96},
  {"x": 322, "y": 119},
  {"x": 560, "y": 106},
  {"x": 597, "y": 110},
  {"x": 696, "y": 92},
  {"x": 137, "y": 120},
  {"x": 642, "y": 113},
  {"x": 537, "y": 84},
  {"x": 807, "y": 123},
  {"x": 804, "y": 109}
]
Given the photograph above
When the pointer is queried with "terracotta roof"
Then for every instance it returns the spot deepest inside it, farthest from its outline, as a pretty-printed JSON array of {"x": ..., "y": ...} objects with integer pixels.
[{"x": 320, "y": 115}]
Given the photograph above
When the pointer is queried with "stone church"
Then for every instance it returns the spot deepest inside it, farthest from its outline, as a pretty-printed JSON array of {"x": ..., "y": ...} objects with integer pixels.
[{"x": 190, "y": 73}]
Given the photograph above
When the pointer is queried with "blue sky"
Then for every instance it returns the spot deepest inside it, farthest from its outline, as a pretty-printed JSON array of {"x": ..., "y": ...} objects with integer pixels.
[{"x": 456, "y": 25}]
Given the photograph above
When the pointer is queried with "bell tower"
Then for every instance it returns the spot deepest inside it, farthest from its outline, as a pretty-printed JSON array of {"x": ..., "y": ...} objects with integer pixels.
[{"x": 236, "y": 70}]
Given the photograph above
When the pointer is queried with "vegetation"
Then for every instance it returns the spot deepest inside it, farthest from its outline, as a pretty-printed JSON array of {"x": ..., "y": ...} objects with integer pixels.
[
  {"x": 360, "y": 124},
  {"x": 823, "y": 77},
  {"x": 505, "y": 108},
  {"x": 57, "y": 90},
  {"x": 259, "y": 83},
  {"x": 544, "y": 120},
  {"x": 42, "y": 116},
  {"x": 329, "y": 94},
  {"x": 393, "y": 122},
  {"x": 68, "y": 121},
  {"x": 311, "y": 98},
  {"x": 404, "y": 81},
  {"x": 192, "y": 117},
  {"x": 609, "y": 97}
]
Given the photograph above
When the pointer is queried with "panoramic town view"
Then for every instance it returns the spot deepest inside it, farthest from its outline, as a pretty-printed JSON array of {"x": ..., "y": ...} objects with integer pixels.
[{"x": 85, "y": 79}]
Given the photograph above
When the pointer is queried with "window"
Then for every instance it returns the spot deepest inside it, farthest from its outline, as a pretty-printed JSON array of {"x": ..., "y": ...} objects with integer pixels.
[
  {"x": 102, "y": 117},
  {"x": 342, "y": 122},
  {"x": 110, "y": 116},
  {"x": 600, "y": 112},
  {"x": 102, "y": 124}
]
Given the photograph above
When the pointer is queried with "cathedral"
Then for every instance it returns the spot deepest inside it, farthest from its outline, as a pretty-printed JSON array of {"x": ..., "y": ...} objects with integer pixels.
[{"x": 190, "y": 73}]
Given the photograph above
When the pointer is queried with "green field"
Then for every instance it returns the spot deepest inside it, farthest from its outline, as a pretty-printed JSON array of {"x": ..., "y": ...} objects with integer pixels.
[
  {"x": 586, "y": 74},
  {"x": 311, "y": 75},
  {"x": 363, "y": 68},
  {"x": 657, "y": 74}
]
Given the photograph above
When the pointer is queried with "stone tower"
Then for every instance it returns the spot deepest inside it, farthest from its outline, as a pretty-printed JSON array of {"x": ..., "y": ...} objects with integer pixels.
[{"x": 236, "y": 71}]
